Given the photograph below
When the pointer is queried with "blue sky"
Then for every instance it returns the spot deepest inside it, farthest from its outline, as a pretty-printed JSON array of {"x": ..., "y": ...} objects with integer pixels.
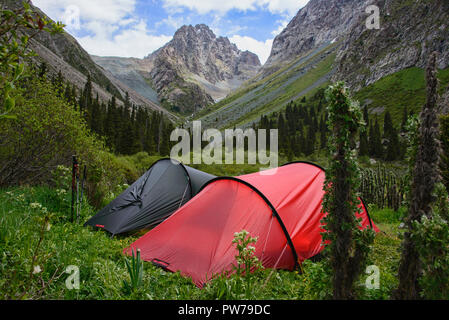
[{"x": 135, "y": 28}]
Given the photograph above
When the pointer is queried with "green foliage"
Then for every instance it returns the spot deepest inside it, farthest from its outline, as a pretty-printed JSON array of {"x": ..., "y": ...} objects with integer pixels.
[
  {"x": 102, "y": 269},
  {"x": 384, "y": 254},
  {"x": 14, "y": 48},
  {"x": 431, "y": 236},
  {"x": 241, "y": 282},
  {"x": 47, "y": 131},
  {"x": 347, "y": 246},
  {"x": 386, "y": 188},
  {"x": 316, "y": 281},
  {"x": 400, "y": 90},
  {"x": 386, "y": 215},
  {"x": 424, "y": 177},
  {"x": 246, "y": 260},
  {"x": 135, "y": 270}
]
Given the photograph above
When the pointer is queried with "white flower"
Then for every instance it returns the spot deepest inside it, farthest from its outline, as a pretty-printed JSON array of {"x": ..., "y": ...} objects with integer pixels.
[
  {"x": 61, "y": 192},
  {"x": 35, "y": 205},
  {"x": 48, "y": 227},
  {"x": 37, "y": 269}
]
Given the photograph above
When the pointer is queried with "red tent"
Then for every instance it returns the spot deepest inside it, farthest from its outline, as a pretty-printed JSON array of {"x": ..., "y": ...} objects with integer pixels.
[{"x": 282, "y": 207}]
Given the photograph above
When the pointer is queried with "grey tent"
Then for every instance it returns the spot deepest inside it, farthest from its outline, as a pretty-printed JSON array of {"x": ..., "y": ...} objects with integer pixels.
[{"x": 163, "y": 189}]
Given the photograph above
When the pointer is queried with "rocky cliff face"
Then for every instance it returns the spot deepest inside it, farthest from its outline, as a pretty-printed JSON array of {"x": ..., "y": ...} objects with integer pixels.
[
  {"x": 193, "y": 70},
  {"x": 409, "y": 32},
  {"x": 318, "y": 23},
  {"x": 197, "y": 50}
]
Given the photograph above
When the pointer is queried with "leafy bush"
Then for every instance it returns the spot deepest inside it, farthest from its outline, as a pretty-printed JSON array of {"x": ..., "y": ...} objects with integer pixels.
[
  {"x": 14, "y": 48},
  {"x": 45, "y": 133},
  {"x": 431, "y": 236},
  {"x": 316, "y": 281}
]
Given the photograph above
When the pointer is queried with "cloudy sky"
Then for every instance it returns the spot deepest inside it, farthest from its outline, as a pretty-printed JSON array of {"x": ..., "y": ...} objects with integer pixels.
[{"x": 135, "y": 28}]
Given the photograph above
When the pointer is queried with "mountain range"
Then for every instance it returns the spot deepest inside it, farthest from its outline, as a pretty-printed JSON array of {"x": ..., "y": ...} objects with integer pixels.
[
  {"x": 198, "y": 75},
  {"x": 193, "y": 70}
]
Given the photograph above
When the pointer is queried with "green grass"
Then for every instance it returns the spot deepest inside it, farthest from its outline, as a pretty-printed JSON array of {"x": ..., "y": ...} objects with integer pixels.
[
  {"x": 103, "y": 269},
  {"x": 291, "y": 91},
  {"x": 406, "y": 88}
]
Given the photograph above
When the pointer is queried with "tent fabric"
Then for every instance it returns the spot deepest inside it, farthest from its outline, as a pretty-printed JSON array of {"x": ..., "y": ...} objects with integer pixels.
[
  {"x": 282, "y": 207},
  {"x": 163, "y": 189}
]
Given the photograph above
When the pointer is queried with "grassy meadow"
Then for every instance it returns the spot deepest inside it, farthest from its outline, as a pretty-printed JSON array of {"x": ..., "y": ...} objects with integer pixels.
[{"x": 38, "y": 242}]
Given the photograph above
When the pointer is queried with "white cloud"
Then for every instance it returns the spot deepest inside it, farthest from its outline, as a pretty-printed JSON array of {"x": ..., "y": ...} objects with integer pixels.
[
  {"x": 282, "y": 24},
  {"x": 290, "y": 7},
  {"x": 220, "y": 6},
  {"x": 109, "y": 26},
  {"x": 110, "y": 11},
  {"x": 206, "y": 6},
  {"x": 173, "y": 22},
  {"x": 132, "y": 42},
  {"x": 261, "y": 48}
]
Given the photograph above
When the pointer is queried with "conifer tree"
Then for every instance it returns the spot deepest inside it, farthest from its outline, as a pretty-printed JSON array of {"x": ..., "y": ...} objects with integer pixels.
[
  {"x": 404, "y": 119},
  {"x": 375, "y": 141}
]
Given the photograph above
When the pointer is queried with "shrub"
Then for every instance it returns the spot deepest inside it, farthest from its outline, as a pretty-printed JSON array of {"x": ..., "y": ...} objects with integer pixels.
[
  {"x": 431, "y": 235},
  {"x": 316, "y": 281},
  {"x": 45, "y": 133}
]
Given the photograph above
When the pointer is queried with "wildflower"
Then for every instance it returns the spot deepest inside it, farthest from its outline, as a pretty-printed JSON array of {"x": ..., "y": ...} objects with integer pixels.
[
  {"x": 37, "y": 269},
  {"x": 48, "y": 227},
  {"x": 35, "y": 205},
  {"x": 61, "y": 192}
]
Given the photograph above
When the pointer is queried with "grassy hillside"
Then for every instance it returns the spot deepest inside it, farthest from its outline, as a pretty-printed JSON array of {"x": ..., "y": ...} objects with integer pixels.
[
  {"x": 406, "y": 88},
  {"x": 272, "y": 93}
]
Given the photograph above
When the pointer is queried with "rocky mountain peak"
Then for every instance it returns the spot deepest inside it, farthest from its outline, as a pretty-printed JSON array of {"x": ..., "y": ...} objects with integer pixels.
[
  {"x": 213, "y": 66},
  {"x": 198, "y": 32},
  {"x": 318, "y": 23}
]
